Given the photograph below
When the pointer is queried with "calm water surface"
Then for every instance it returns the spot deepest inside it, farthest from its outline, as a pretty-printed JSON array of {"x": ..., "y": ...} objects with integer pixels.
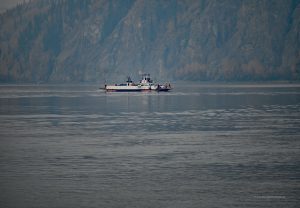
[{"x": 197, "y": 146}]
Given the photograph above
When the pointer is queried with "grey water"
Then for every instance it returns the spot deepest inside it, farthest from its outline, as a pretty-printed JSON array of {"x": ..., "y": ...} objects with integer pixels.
[{"x": 200, "y": 145}]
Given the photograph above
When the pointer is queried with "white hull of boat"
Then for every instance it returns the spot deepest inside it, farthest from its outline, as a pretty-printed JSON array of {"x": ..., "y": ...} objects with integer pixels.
[
  {"x": 145, "y": 84},
  {"x": 135, "y": 88}
]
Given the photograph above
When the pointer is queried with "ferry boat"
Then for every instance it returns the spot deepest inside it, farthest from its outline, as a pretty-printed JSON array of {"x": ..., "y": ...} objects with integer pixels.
[{"x": 146, "y": 84}]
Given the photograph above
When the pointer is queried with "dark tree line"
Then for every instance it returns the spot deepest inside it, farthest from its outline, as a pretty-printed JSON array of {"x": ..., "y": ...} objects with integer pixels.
[{"x": 50, "y": 24}]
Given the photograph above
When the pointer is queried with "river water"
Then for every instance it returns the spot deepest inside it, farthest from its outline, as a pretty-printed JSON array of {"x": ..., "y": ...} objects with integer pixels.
[{"x": 200, "y": 145}]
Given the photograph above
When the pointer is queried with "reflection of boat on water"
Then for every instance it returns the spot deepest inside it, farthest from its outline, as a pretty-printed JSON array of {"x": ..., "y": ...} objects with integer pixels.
[{"x": 146, "y": 84}]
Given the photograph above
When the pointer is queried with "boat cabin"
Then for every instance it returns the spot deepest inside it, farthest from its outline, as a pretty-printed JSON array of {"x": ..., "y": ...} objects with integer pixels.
[{"x": 146, "y": 79}]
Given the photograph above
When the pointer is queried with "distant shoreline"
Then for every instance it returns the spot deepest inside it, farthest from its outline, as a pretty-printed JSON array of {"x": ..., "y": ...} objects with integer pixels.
[{"x": 217, "y": 83}]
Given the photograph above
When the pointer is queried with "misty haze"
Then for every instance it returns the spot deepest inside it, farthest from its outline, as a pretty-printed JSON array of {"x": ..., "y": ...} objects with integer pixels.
[{"x": 148, "y": 103}]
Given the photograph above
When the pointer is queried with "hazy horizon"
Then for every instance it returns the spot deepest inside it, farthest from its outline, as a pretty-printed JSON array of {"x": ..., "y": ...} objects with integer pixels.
[{"x": 88, "y": 41}]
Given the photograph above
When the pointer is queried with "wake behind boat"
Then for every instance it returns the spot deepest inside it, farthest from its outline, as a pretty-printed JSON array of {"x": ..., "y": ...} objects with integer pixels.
[{"x": 146, "y": 84}]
